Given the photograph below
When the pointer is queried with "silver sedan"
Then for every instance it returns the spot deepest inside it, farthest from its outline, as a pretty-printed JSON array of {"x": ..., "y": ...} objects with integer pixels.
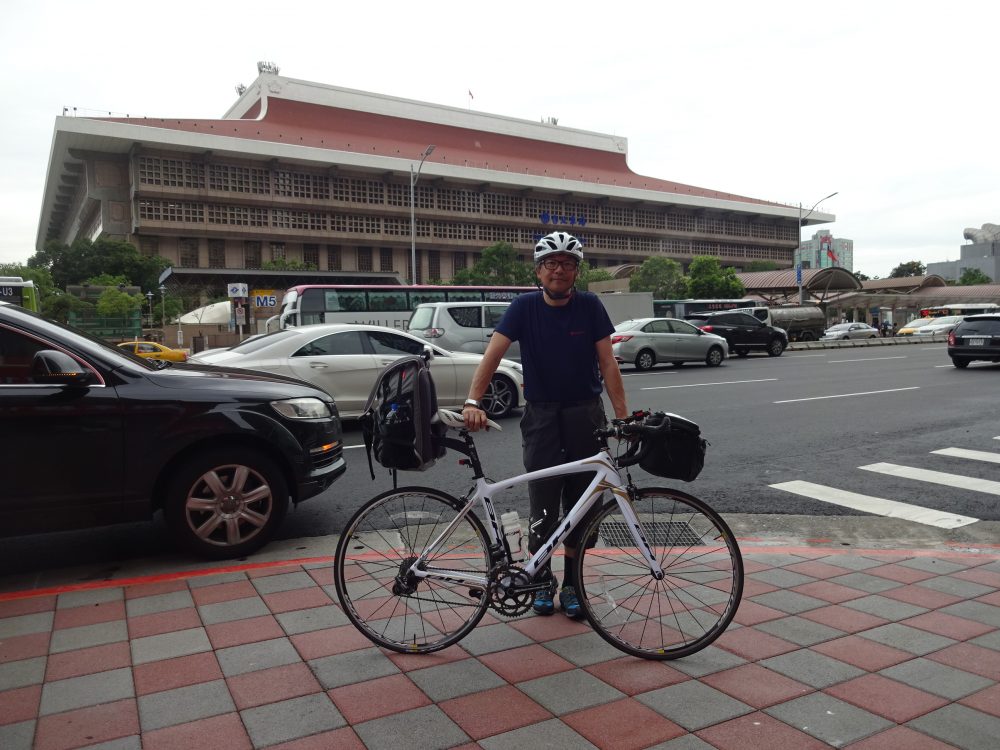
[
  {"x": 646, "y": 341},
  {"x": 844, "y": 331},
  {"x": 344, "y": 360}
]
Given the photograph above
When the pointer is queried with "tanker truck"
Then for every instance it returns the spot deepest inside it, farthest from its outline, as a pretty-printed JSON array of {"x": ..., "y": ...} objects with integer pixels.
[{"x": 801, "y": 322}]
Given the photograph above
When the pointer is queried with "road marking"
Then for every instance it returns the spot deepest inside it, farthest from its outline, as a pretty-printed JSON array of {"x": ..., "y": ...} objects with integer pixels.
[
  {"x": 348, "y": 447},
  {"x": 800, "y": 356},
  {"x": 846, "y": 395},
  {"x": 877, "y": 505},
  {"x": 866, "y": 359},
  {"x": 698, "y": 385},
  {"x": 936, "y": 477},
  {"x": 993, "y": 458}
]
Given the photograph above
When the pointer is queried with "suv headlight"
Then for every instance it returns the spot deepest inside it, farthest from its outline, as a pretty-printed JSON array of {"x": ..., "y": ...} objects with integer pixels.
[{"x": 301, "y": 408}]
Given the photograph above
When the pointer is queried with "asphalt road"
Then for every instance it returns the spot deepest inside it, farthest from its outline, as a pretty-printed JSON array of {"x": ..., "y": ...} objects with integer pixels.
[{"x": 815, "y": 416}]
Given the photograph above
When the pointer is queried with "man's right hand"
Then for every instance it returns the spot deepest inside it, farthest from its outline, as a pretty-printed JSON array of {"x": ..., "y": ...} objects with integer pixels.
[{"x": 475, "y": 419}]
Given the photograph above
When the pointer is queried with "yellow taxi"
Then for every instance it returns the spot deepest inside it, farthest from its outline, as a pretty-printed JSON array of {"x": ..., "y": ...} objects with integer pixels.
[
  {"x": 151, "y": 350},
  {"x": 911, "y": 328}
]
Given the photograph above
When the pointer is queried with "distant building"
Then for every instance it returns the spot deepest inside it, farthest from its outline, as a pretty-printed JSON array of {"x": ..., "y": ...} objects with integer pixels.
[
  {"x": 982, "y": 256},
  {"x": 301, "y": 172},
  {"x": 826, "y": 251}
]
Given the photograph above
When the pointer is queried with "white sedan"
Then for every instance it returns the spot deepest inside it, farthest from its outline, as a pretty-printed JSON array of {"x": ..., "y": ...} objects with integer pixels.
[
  {"x": 940, "y": 325},
  {"x": 344, "y": 361}
]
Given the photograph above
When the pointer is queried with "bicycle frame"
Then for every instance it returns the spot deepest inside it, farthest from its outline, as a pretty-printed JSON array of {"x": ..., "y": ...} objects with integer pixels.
[{"x": 607, "y": 478}]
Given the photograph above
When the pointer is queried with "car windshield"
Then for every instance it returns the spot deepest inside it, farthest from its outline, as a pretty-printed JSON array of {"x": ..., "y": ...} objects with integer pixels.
[
  {"x": 421, "y": 318},
  {"x": 628, "y": 325},
  {"x": 840, "y": 327},
  {"x": 259, "y": 342},
  {"x": 917, "y": 322}
]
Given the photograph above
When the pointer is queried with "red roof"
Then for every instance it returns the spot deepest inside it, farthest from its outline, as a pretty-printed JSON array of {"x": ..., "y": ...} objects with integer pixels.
[{"x": 319, "y": 126}]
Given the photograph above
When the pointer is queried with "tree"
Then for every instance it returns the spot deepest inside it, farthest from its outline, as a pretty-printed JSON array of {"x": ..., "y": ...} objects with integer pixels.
[
  {"x": 84, "y": 259},
  {"x": 861, "y": 277},
  {"x": 280, "y": 264},
  {"x": 707, "y": 279},
  {"x": 114, "y": 303},
  {"x": 498, "y": 266},
  {"x": 589, "y": 275},
  {"x": 661, "y": 276},
  {"x": 973, "y": 276},
  {"x": 904, "y": 270},
  {"x": 761, "y": 265}
]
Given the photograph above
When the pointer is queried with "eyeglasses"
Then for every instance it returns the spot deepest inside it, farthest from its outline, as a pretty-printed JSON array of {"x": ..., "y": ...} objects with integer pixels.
[{"x": 552, "y": 264}]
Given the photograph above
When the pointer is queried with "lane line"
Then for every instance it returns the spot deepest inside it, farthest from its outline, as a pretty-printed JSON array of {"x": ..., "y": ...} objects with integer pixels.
[
  {"x": 878, "y": 505},
  {"x": 865, "y": 359},
  {"x": 993, "y": 458},
  {"x": 936, "y": 477},
  {"x": 698, "y": 385},
  {"x": 847, "y": 395},
  {"x": 800, "y": 356}
]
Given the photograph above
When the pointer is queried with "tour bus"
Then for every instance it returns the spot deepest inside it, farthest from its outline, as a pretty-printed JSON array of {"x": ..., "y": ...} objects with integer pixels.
[
  {"x": 380, "y": 305},
  {"x": 959, "y": 308},
  {"x": 16, "y": 290},
  {"x": 679, "y": 308}
]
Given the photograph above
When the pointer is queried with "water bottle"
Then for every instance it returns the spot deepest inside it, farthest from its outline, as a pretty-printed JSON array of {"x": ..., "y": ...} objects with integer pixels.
[{"x": 511, "y": 524}]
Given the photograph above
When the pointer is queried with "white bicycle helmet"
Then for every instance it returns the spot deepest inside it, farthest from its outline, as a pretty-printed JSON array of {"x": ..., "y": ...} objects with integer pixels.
[{"x": 558, "y": 242}]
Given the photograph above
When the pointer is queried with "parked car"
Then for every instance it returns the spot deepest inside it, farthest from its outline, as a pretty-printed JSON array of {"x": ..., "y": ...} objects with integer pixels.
[
  {"x": 459, "y": 326},
  {"x": 743, "y": 332},
  {"x": 939, "y": 325},
  {"x": 911, "y": 328},
  {"x": 845, "y": 331},
  {"x": 94, "y": 436},
  {"x": 977, "y": 337},
  {"x": 646, "y": 342},
  {"x": 152, "y": 350},
  {"x": 345, "y": 359}
]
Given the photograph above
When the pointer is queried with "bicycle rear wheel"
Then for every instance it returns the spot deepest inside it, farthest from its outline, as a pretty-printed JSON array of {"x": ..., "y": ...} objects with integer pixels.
[
  {"x": 696, "y": 599},
  {"x": 379, "y": 545}
]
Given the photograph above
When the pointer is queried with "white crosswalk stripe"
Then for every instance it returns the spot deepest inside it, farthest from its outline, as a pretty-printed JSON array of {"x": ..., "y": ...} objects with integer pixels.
[
  {"x": 993, "y": 458},
  {"x": 908, "y": 511},
  {"x": 878, "y": 505},
  {"x": 936, "y": 477}
]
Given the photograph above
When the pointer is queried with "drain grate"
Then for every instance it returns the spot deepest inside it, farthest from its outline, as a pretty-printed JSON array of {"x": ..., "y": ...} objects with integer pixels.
[{"x": 664, "y": 533}]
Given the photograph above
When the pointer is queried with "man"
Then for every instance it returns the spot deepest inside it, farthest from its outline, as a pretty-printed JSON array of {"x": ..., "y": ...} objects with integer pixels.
[{"x": 565, "y": 338}]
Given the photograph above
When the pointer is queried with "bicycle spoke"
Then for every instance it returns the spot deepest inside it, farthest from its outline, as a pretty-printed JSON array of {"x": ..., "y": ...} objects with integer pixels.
[
  {"x": 702, "y": 576},
  {"x": 399, "y": 609}
]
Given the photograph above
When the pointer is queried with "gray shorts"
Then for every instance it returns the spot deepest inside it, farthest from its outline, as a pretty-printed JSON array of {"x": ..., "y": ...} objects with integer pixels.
[{"x": 553, "y": 433}]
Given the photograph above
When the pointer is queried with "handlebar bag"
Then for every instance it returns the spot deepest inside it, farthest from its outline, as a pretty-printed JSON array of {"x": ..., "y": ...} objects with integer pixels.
[{"x": 678, "y": 453}]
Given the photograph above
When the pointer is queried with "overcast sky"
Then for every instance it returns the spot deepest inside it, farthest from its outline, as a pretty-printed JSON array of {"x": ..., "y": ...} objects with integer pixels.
[{"x": 889, "y": 104}]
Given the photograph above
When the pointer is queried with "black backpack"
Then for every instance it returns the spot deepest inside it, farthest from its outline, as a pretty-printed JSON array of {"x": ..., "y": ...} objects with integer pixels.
[
  {"x": 397, "y": 421},
  {"x": 678, "y": 453}
]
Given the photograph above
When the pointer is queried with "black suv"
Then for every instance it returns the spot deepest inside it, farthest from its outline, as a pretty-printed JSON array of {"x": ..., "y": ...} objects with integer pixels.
[
  {"x": 976, "y": 337},
  {"x": 91, "y": 435},
  {"x": 743, "y": 332}
]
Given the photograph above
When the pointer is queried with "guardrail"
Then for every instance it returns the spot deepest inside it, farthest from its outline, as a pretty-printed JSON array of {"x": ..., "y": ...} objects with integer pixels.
[{"x": 936, "y": 338}]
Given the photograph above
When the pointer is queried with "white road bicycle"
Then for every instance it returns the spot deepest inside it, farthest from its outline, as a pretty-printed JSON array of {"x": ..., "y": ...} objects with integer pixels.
[{"x": 659, "y": 574}]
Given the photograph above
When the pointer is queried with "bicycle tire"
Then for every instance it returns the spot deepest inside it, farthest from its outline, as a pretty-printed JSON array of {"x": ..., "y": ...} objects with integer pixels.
[
  {"x": 700, "y": 591},
  {"x": 381, "y": 540}
]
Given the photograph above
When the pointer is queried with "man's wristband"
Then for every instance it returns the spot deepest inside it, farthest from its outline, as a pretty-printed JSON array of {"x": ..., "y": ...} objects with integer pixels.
[{"x": 471, "y": 402}]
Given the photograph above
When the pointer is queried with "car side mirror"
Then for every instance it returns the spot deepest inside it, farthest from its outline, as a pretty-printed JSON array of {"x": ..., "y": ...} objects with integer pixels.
[{"x": 49, "y": 366}]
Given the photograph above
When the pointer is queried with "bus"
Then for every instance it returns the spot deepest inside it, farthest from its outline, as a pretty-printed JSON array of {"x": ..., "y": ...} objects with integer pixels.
[
  {"x": 679, "y": 308},
  {"x": 959, "y": 308},
  {"x": 16, "y": 290},
  {"x": 380, "y": 305}
]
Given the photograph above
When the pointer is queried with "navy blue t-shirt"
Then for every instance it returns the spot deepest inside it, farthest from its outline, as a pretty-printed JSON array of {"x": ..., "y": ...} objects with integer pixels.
[{"x": 557, "y": 345}]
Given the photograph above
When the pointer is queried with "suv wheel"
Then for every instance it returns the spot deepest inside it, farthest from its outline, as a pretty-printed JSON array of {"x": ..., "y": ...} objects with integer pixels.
[
  {"x": 500, "y": 397},
  {"x": 644, "y": 360},
  {"x": 960, "y": 362},
  {"x": 714, "y": 357},
  {"x": 226, "y": 502},
  {"x": 775, "y": 348}
]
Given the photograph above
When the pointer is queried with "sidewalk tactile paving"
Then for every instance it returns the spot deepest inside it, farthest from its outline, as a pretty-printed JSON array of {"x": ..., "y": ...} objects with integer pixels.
[{"x": 877, "y": 650}]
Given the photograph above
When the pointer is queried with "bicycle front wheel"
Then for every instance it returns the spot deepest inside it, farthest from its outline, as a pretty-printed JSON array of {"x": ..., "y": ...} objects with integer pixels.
[
  {"x": 392, "y": 607},
  {"x": 700, "y": 590}
]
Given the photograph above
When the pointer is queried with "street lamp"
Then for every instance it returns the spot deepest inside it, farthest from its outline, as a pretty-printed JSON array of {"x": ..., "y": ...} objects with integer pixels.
[
  {"x": 163, "y": 307},
  {"x": 798, "y": 241},
  {"x": 149, "y": 299},
  {"x": 414, "y": 176}
]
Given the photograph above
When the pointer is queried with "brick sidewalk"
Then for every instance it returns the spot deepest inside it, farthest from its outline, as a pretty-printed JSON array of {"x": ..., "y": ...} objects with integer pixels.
[{"x": 862, "y": 650}]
